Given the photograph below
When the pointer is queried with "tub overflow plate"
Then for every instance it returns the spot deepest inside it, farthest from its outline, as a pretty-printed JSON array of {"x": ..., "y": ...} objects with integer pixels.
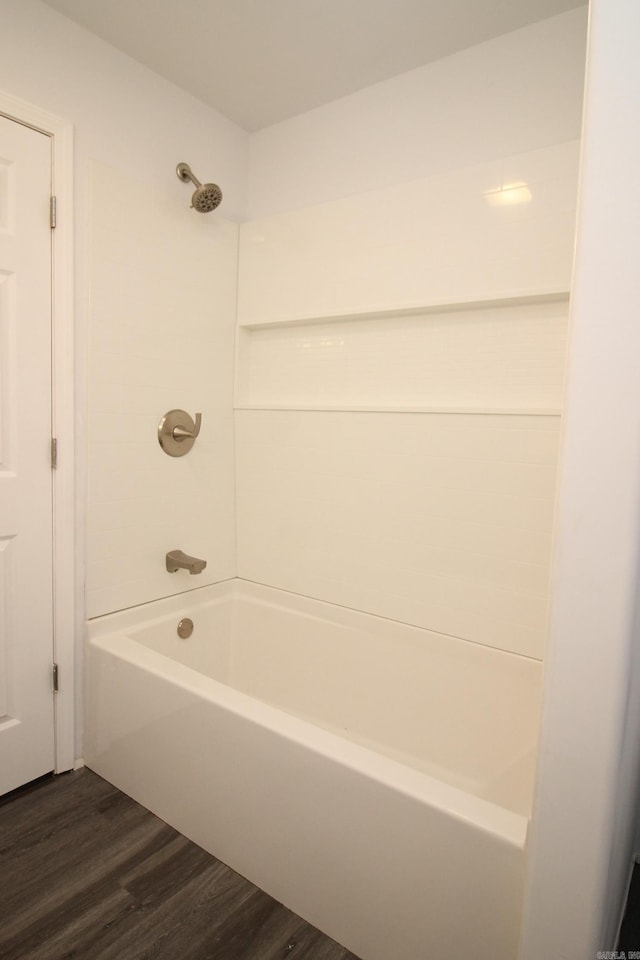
[{"x": 185, "y": 628}]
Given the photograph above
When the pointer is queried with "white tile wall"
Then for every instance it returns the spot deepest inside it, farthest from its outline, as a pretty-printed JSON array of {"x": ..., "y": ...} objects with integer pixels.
[
  {"x": 500, "y": 358},
  {"x": 439, "y": 517},
  {"x": 162, "y": 330},
  {"x": 439, "y": 520},
  {"x": 432, "y": 241}
]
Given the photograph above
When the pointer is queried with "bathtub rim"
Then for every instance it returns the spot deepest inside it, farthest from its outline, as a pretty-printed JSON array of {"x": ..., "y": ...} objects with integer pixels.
[{"x": 237, "y": 587}]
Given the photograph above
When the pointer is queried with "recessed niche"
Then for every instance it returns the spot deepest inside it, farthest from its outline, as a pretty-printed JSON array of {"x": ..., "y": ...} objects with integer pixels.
[{"x": 494, "y": 357}]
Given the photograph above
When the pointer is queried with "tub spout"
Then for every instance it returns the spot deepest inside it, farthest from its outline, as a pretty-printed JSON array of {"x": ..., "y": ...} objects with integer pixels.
[{"x": 177, "y": 560}]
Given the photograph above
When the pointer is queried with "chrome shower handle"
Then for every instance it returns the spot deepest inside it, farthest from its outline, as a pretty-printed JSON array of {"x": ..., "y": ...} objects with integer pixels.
[{"x": 181, "y": 433}]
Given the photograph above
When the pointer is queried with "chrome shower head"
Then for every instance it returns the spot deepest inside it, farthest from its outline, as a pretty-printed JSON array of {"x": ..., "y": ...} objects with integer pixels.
[{"x": 206, "y": 196}]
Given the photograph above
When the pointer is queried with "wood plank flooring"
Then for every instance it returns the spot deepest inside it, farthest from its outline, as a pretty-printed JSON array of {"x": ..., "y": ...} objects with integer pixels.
[
  {"x": 630, "y": 932},
  {"x": 87, "y": 873}
]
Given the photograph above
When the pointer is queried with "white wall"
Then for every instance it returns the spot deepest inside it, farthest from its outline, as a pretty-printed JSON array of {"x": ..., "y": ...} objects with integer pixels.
[
  {"x": 370, "y": 419},
  {"x": 438, "y": 520},
  {"x": 588, "y": 800},
  {"x": 127, "y": 118},
  {"x": 517, "y": 93},
  {"x": 123, "y": 113}
]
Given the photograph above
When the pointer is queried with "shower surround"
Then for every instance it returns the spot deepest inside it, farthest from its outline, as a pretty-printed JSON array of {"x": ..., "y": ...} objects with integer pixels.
[
  {"x": 399, "y": 360},
  {"x": 371, "y": 770},
  {"x": 163, "y": 294}
]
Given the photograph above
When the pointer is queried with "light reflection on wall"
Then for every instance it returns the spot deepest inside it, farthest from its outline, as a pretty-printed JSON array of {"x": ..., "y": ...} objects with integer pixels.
[
  {"x": 509, "y": 194},
  {"x": 315, "y": 344}
]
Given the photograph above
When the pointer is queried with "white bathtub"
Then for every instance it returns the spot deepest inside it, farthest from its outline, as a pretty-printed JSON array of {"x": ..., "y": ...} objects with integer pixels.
[{"x": 372, "y": 776}]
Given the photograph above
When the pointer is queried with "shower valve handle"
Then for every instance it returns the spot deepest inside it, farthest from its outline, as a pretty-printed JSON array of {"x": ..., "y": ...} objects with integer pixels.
[
  {"x": 181, "y": 433},
  {"x": 177, "y": 432}
]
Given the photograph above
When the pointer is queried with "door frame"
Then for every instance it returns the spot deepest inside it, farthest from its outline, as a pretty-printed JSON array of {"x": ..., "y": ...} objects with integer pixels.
[{"x": 62, "y": 417}]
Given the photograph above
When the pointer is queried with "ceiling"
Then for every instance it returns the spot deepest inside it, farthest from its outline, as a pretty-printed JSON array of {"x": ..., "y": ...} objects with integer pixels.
[{"x": 262, "y": 61}]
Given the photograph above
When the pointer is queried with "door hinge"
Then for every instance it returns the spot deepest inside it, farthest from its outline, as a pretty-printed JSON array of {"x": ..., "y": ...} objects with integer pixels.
[
  {"x": 52, "y": 212},
  {"x": 55, "y": 677},
  {"x": 54, "y": 453}
]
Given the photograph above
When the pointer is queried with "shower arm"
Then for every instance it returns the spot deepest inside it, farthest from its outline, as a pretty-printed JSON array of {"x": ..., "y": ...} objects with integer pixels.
[{"x": 185, "y": 173}]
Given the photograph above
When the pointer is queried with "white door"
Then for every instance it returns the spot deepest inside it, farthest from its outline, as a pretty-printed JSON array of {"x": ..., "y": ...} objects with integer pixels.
[{"x": 26, "y": 595}]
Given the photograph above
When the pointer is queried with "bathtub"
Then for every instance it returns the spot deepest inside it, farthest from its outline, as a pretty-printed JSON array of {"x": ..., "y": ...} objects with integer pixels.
[{"x": 372, "y": 776}]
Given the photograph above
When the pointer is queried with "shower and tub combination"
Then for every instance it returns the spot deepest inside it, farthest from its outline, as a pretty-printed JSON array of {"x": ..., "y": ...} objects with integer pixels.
[{"x": 375, "y": 777}]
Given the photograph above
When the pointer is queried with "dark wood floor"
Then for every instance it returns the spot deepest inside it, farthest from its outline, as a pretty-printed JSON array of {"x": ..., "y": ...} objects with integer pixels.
[
  {"x": 630, "y": 932},
  {"x": 87, "y": 873}
]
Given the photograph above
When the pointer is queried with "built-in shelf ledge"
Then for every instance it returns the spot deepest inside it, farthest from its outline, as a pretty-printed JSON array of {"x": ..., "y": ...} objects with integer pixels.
[
  {"x": 382, "y": 408},
  {"x": 448, "y": 306}
]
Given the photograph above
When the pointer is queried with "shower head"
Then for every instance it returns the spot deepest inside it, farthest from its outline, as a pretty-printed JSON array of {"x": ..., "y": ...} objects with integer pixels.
[{"x": 206, "y": 196}]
